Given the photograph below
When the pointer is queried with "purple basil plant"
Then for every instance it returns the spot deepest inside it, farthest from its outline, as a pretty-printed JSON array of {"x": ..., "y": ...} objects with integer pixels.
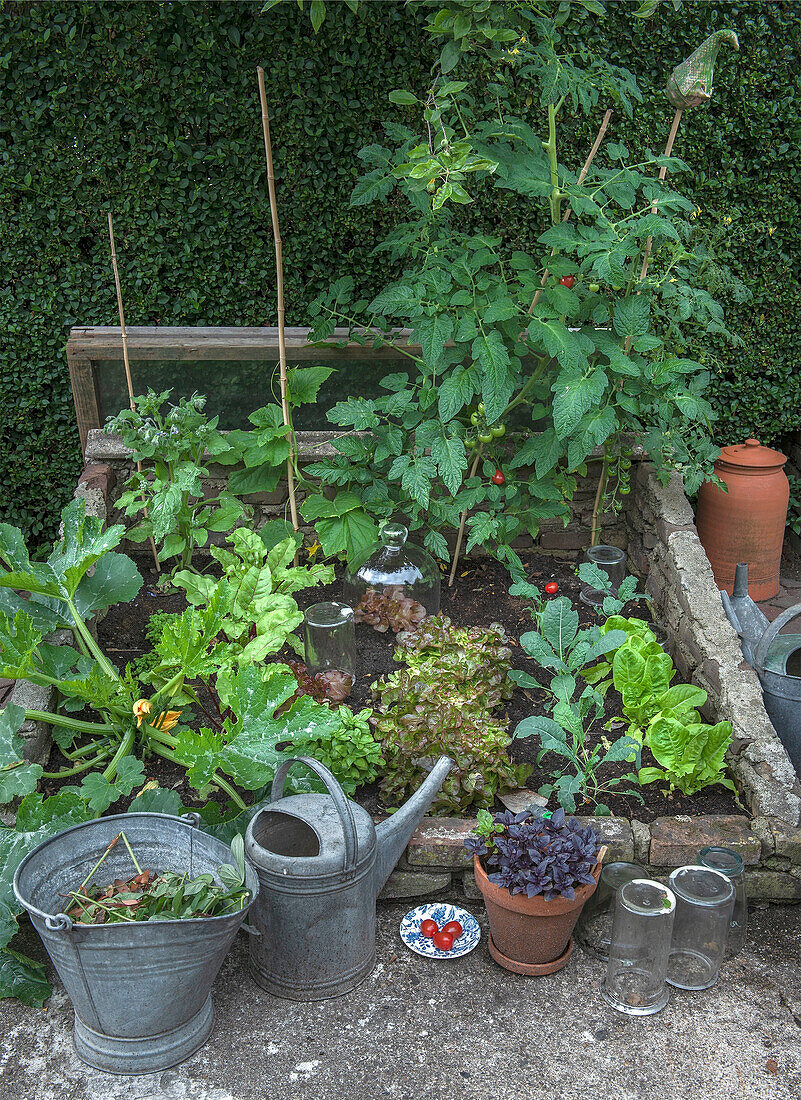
[{"x": 530, "y": 853}]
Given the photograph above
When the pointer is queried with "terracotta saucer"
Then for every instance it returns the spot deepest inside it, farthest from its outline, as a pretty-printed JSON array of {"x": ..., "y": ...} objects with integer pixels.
[{"x": 534, "y": 969}]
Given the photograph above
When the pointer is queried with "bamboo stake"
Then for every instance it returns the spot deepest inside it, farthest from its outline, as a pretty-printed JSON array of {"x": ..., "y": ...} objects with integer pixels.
[
  {"x": 279, "y": 282},
  {"x": 662, "y": 173},
  {"x": 462, "y": 522},
  {"x": 596, "y": 145},
  {"x": 124, "y": 335},
  {"x": 582, "y": 176}
]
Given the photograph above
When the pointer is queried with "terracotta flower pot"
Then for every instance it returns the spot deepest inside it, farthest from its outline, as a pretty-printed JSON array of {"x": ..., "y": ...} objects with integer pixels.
[{"x": 531, "y": 935}]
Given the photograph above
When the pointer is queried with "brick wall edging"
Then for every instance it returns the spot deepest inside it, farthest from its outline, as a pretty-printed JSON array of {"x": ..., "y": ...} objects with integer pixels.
[
  {"x": 664, "y": 548},
  {"x": 436, "y": 859}
]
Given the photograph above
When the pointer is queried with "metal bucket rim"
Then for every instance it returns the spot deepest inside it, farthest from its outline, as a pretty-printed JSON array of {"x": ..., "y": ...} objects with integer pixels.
[{"x": 179, "y": 922}]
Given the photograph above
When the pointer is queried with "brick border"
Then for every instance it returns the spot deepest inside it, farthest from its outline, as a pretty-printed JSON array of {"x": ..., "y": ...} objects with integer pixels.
[
  {"x": 436, "y": 860},
  {"x": 664, "y": 548}
]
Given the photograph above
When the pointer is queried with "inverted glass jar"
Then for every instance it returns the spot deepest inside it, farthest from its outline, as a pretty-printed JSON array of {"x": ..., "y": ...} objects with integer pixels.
[
  {"x": 330, "y": 647},
  {"x": 397, "y": 587},
  {"x": 594, "y": 929},
  {"x": 731, "y": 865},
  {"x": 642, "y": 926},
  {"x": 704, "y": 905},
  {"x": 612, "y": 561}
]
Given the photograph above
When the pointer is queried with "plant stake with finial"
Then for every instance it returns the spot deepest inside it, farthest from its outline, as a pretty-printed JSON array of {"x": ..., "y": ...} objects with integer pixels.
[{"x": 689, "y": 85}]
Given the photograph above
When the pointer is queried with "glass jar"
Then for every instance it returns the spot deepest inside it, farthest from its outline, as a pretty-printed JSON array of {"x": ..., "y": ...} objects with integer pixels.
[
  {"x": 594, "y": 928},
  {"x": 640, "y": 948},
  {"x": 731, "y": 865},
  {"x": 613, "y": 562},
  {"x": 704, "y": 904},
  {"x": 397, "y": 587},
  {"x": 330, "y": 647}
]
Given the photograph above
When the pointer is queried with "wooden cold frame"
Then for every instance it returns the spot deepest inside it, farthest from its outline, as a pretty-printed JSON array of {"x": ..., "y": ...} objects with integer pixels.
[{"x": 89, "y": 344}]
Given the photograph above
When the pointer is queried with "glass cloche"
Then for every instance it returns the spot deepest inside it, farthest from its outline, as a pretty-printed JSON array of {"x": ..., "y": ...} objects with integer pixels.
[{"x": 397, "y": 587}]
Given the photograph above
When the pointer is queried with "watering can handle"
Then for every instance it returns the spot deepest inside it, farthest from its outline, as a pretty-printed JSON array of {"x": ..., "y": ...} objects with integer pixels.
[
  {"x": 337, "y": 794},
  {"x": 770, "y": 635}
]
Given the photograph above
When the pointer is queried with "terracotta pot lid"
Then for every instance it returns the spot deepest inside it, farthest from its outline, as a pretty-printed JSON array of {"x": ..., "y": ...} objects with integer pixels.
[{"x": 751, "y": 453}]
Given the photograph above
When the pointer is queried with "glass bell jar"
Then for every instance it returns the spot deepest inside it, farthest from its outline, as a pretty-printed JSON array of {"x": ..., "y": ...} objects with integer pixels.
[
  {"x": 731, "y": 865},
  {"x": 397, "y": 587},
  {"x": 639, "y": 949},
  {"x": 705, "y": 903}
]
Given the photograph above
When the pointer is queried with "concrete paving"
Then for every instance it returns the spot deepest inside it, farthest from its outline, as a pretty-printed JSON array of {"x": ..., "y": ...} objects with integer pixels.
[{"x": 461, "y": 1030}]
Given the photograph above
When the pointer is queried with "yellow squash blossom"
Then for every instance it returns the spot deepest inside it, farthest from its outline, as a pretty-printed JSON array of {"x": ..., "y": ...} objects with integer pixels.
[{"x": 165, "y": 721}]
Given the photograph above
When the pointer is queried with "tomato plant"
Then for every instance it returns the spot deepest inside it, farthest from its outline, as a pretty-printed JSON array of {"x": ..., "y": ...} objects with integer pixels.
[{"x": 521, "y": 330}]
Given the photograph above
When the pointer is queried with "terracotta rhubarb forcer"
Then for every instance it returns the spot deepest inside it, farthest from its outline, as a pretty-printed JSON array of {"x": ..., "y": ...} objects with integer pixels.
[
  {"x": 532, "y": 935},
  {"x": 747, "y": 523}
]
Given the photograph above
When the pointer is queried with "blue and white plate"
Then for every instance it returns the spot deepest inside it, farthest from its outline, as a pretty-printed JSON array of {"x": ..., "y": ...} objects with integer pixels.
[{"x": 441, "y": 912}]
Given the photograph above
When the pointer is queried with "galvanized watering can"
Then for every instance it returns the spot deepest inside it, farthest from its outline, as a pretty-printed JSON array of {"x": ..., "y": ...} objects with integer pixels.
[
  {"x": 322, "y": 863},
  {"x": 141, "y": 991},
  {"x": 776, "y": 658}
]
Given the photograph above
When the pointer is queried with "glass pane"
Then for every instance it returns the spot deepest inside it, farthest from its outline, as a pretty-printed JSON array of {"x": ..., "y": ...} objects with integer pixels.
[{"x": 235, "y": 388}]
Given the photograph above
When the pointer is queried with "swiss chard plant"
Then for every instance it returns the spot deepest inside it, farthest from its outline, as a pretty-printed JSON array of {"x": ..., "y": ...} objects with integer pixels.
[
  {"x": 256, "y": 588},
  {"x": 582, "y": 332},
  {"x": 444, "y": 701}
]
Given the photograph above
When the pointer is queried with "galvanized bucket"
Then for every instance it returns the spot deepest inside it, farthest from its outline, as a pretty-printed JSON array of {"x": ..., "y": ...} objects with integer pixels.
[{"x": 141, "y": 991}]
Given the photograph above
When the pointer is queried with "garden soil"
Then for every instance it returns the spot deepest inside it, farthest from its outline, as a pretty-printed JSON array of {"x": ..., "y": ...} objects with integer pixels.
[{"x": 479, "y": 596}]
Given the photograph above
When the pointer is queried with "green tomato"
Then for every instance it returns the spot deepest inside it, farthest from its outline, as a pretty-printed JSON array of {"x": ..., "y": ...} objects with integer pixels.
[
  {"x": 593, "y": 288},
  {"x": 485, "y": 437},
  {"x": 498, "y": 430},
  {"x": 474, "y": 419},
  {"x": 481, "y": 407}
]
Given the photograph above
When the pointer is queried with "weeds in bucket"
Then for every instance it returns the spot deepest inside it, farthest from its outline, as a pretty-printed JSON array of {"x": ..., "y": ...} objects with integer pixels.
[{"x": 166, "y": 896}]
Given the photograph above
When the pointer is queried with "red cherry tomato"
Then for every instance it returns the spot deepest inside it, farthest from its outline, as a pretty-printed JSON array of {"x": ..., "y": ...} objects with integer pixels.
[
  {"x": 429, "y": 928},
  {"x": 551, "y": 588},
  {"x": 498, "y": 478},
  {"x": 443, "y": 940},
  {"x": 454, "y": 928},
  {"x": 567, "y": 280}
]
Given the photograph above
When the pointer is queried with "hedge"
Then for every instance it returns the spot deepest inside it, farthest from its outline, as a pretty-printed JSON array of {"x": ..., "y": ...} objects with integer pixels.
[{"x": 151, "y": 110}]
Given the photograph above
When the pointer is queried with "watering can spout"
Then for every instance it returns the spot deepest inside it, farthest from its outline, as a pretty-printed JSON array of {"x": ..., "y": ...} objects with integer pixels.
[
  {"x": 740, "y": 580},
  {"x": 394, "y": 834}
]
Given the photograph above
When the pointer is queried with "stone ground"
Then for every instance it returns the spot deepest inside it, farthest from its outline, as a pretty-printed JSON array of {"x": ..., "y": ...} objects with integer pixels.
[{"x": 461, "y": 1030}]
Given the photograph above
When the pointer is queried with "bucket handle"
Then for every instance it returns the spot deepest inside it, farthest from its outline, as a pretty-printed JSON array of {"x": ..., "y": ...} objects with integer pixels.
[
  {"x": 770, "y": 635},
  {"x": 337, "y": 794}
]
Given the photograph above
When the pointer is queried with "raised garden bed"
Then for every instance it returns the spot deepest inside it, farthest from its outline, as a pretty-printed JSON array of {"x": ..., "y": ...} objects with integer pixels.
[{"x": 657, "y": 530}]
